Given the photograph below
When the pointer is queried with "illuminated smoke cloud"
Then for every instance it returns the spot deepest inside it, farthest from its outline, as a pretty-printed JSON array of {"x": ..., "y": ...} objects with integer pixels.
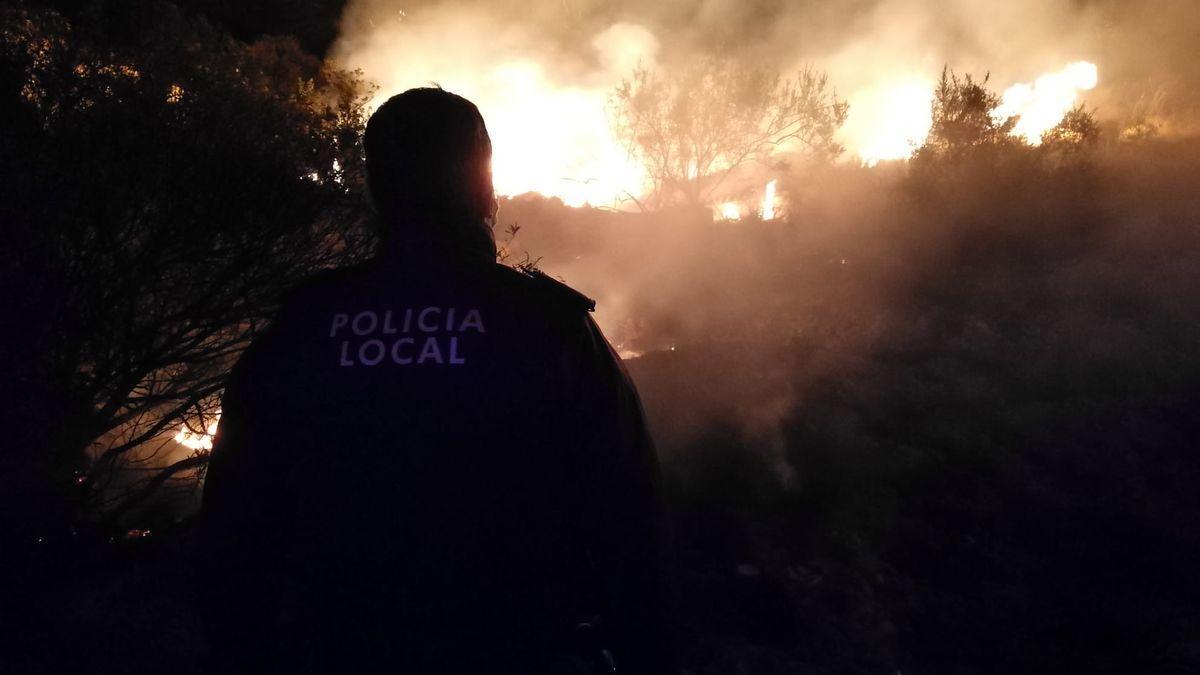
[
  {"x": 549, "y": 129},
  {"x": 1039, "y": 106},
  {"x": 889, "y": 120},
  {"x": 541, "y": 72}
]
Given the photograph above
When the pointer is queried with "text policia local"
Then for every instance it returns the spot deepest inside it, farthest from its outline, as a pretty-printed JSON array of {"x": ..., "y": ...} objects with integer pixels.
[{"x": 403, "y": 337}]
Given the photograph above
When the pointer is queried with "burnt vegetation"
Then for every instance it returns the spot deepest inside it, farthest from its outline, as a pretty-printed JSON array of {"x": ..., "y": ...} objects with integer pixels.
[{"x": 940, "y": 418}]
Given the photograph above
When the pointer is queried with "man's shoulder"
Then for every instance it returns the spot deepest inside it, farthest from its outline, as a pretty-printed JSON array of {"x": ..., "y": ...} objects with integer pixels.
[
  {"x": 542, "y": 289},
  {"x": 522, "y": 281},
  {"x": 331, "y": 280}
]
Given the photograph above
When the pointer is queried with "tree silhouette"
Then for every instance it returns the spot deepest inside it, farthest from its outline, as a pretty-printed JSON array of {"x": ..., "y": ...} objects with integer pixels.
[
  {"x": 163, "y": 184},
  {"x": 691, "y": 127},
  {"x": 1078, "y": 130},
  {"x": 964, "y": 118}
]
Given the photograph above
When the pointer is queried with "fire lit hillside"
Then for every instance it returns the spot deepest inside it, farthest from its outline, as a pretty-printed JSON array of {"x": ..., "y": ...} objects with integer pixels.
[
  {"x": 554, "y": 135},
  {"x": 907, "y": 290},
  {"x": 559, "y": 141}
]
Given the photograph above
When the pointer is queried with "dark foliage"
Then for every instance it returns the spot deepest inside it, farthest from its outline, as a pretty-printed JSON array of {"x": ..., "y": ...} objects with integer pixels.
[
  {"x": 972, "y": 172},
  {"x": 163, "y": 185},
  {"x": 312, "y": 23},
  {"x": 963, "y": 118}
]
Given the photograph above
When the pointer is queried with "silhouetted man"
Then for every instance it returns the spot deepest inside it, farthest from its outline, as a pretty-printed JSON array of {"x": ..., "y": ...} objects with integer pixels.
[{"x": 433, "y": 463}]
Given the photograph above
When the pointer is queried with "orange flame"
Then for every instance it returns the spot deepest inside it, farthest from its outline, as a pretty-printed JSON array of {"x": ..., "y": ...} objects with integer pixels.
[{"x": 197, "y": 440}]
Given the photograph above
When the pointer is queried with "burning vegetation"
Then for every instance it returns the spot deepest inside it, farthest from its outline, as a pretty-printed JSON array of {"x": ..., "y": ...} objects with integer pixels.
[{"x": 908, "y": 290}]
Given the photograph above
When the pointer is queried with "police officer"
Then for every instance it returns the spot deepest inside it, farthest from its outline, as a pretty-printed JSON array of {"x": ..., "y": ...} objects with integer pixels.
[{"x": 432, "y": 463}]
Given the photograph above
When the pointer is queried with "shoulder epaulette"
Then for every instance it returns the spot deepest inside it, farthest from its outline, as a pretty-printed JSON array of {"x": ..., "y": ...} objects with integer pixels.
[{"x": 559, "y": 290}]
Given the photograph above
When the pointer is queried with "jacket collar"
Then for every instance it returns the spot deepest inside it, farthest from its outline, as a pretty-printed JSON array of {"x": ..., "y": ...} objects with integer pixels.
[{"x": 425, "y": 242}]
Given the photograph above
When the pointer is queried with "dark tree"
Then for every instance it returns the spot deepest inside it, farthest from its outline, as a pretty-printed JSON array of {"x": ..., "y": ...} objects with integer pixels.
[
  {"x": 971, "y": 143},
  {"x": 1078, "y": 130},
  {"x": 314, "y": 23},
  {"x": 163, "y": 185},
  {"x": 964, "y": 118}
]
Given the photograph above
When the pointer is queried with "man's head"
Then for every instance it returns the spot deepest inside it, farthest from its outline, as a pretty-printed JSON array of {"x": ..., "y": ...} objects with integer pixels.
[{"x": 429, "y": 162}]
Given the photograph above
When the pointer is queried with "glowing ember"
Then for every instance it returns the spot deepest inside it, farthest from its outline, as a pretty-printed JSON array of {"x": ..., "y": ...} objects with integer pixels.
[
  {"x": 728, "y": 211},
  {"x": 770, "y": 202},
  {"x": 1042, "y": 104},
  {"x": 198, "y": 441}
]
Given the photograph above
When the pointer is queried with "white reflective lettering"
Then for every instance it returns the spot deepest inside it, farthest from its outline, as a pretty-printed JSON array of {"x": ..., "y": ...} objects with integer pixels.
[
  {"x": 430, "y": 351},
  {"x": 402, "y": 360},
  {"x": 371, "y": 352},
  {"x": 364, "y": 323},
  {"x": 428, "y": 327},
  {"x": 455, "y": 359},
  {"x": 473, "y": 319},
  {"x": 433, "y": 321},
  {"x": 339, "y": 320}
]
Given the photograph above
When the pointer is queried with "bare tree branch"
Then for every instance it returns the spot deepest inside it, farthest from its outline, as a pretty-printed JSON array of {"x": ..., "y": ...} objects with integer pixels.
[{"x": 695, "y": 126}]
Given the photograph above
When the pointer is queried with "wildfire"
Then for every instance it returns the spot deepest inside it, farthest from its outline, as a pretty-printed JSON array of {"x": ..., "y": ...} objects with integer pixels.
[
  {"x": 891, "y": 120},
  {"x": 583, "y": 163},
  {"x": 548, "y": 120},
  {"x": 767, "y": 209},
  {"x": 548, "y": 117},
  {"x": 535, "y": 150},
  {"x": 1042, "y": 104},
  {"x": 728, "y": 211},
  {"x": 195, "y": 440},
  {"x": 770, "y": 201}
]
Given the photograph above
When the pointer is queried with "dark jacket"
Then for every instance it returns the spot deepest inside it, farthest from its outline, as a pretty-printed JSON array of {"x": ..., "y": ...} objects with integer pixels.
[{"x": 431, "y": 465}]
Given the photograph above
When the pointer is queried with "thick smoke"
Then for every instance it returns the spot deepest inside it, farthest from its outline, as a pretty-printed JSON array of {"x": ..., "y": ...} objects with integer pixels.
[
  {"x": 738, "y": 321},
  {"x": 1145, "y": 50}
]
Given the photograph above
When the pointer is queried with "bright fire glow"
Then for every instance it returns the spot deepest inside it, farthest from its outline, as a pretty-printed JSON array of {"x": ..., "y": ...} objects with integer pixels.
[
  {"x": 891, "y": 120},
  {"x": 548, "y": 119},
  {"x": 728, "y": 211},
  {"x": 547, "y": 112},
  {"x": 552, "y": 140},
  {"x": 1041, "y": 105},
  {"x": 770, "y": 201},
  {"x": 193, "y": 440},
  {"x": 536, "y": 150}
]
